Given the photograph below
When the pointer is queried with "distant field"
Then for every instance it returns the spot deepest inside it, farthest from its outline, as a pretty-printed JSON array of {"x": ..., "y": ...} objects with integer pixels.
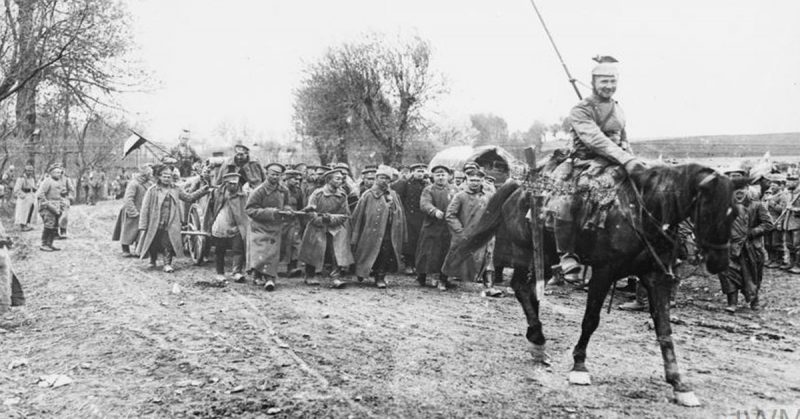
[{"x": 782, "y": 147}]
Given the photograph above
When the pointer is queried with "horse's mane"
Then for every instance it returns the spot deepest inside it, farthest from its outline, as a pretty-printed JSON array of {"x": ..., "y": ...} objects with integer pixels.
[{"x": 482, "y": 232}]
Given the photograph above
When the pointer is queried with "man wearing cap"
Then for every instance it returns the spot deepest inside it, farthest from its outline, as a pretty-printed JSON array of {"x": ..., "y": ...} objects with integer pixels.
[
  {"x": 25, "y": 193},
  {"x": 600, "y": 151},
  {"x": 409, "y": 191},
  {"x": 54, "y": 196},
  {"x": 160, "y": 218},
  {"x": 314, "y": 180},
  {"x": 126, "y": 229},
  {"x": 458, "y": 178},
  {"x": 250, "y": 171},
  {"x": 348, "y": 185},
  {"x": 184, "y": 154},
  {"x": 326, "y": 240},
  {"x": 776, "y": 200},
  {"x": 745, "y": 270},
  {"x": 791, "y": 226},
  {"x": 228, "y": 222},
  {"x": 264, "y": 208},
  {"x": 367, "y": 178},
  {"x": 97, "y": 178},
  {"x": 293, "y": 229},
  {"x": 464, "y": 210},
  {"x": 434, "y": 237},
  {"x": 379, "y": 230}
]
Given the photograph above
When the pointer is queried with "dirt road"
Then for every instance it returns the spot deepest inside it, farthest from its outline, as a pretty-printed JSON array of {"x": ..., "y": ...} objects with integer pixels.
[{"x": 134, "y": 348}]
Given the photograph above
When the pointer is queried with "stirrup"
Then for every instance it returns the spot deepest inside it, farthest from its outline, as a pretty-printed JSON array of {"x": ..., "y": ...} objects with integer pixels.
[{"x": 569, "y": 264}]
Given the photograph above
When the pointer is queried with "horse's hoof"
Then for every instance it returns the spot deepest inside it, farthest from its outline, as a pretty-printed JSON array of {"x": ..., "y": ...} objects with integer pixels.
[
  {"x": 580, "y": 378},
  {"x": 687, "y": 398},
  {"x": 539, "y": 355}
]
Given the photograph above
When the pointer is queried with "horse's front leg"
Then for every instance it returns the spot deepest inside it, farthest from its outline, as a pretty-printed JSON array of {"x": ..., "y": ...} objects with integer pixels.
[
  {"x": 525, "y": 293},
  {"x": 598, "y": 288},
  {"x": 659, "y": 287}
]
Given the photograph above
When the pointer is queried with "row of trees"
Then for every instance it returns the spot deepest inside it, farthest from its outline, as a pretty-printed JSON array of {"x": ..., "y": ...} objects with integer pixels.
[
  {"x": 61, "y": 65},
  {"x": 367, "y": 100}
]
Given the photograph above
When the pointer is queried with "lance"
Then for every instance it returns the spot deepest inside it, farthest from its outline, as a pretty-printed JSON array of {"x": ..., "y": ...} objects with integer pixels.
[{"x": 571, "y": 79}]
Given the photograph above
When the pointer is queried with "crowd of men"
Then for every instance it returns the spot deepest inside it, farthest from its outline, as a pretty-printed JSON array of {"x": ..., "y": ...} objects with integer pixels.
[{"x": 275, "y": 221}]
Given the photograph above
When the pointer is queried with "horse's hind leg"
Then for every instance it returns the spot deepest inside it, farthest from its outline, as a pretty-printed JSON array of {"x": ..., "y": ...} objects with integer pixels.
[
  {"x": 525, "y": 293},
  {"x": 659, "y": 286},
  {"x": 598, "y": 288}
]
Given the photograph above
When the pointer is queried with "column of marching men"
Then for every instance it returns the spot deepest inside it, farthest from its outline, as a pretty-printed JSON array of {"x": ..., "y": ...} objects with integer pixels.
[{"x": 271, "y": 222}]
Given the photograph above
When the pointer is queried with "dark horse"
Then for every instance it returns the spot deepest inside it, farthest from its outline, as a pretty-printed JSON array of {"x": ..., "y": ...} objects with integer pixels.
[{"x": 640, "y": 238}]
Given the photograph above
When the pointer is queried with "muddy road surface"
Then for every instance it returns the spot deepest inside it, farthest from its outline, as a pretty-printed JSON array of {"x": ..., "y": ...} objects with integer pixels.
[{"x": 130, "y": 343}]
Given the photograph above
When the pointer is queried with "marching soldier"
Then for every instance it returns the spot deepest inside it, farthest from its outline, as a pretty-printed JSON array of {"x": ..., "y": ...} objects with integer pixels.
[
  {"x": 228, "y": 222},
  {"x": 54, "y": 197},
  {"x": 126, "y": 229},
  {"x": 409, "y": 190},
  {"x": 264, "y": 208},
  {"x": 250, "y": 171},
  {"x": 293, "y": 229}
]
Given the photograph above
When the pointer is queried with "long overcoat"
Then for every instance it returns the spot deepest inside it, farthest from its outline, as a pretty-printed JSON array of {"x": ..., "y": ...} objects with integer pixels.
[
  {"x": 126, "y": 229},
  {"x": 434, "y": 237},
  {"x": 465, "y": 210},
  {"x": 293, "y": 228},
  {"x": 218, "y": 198},
  {"x": 26, "y": 205},
  {"x": 150, "y": 214},
  {"x": 369, "y": 226},
  {"x": 746, "y": 259},
  {"x": 264, "y": 232},
  {"x": 409, "y": 192},
  {"x": 328, "y": 201}
]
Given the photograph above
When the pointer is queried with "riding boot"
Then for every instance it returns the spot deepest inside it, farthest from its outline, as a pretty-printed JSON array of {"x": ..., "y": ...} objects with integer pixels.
[
  {"x": 565, "y": 233},
  {"x": 733, "y": 301}
]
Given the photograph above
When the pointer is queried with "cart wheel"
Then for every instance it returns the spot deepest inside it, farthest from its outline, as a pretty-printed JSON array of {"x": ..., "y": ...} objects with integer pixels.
[{"x": 196, "y": 243}]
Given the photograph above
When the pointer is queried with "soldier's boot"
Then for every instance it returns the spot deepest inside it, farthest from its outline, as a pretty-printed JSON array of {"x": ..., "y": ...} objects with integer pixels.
[
  {"x": 126, "y": 251},
  {"x": 788, "y": 262},
  {"x": 421, "y": 279},
  {"x": 292, "y": 271},
  {"x": 167, "y": 259},
  {"x": 733, "y": 301},
  {"x": 442, "y": 285},
  {"x": 309, "y": 277},
  {"x": 52, "y": 233},
  {"x": 45, "y": 247},
  {"x": 795, "y": 269},
  {"x": 380, "y": 281},
  {"x": 754, "y": 304},
  {"x": 774, "y": 260},
  {"x": 565, "y": 245}
]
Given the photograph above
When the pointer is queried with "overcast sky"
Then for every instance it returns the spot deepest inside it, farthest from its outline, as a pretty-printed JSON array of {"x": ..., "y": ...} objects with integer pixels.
[{"x": 688, "y": 67}]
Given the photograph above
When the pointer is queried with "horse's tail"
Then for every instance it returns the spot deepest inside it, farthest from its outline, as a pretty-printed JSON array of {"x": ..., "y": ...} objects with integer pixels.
[{"x": 484, "y": 229}]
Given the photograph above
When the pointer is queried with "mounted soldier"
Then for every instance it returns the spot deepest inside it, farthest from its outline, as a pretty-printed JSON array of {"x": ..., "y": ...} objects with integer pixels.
[
  {"x": 600, "y": 152},
  {"x": 184, "y": 154}
]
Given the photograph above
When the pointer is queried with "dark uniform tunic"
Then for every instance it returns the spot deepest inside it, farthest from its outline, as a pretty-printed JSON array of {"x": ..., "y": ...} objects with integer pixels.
[
  {"x": 434, "y": 237},
  {"x": 409, "y": 192}
]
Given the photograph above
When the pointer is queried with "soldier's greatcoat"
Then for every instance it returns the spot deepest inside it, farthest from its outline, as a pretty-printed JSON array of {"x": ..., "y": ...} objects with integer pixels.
[
  {"x": 327, "y": 200},
  {"x": 464, "y": 210},
  {"x": 434, "y": 237},
  {"x": 264, "y": 235},
  {"x": 409, "y": 192},
  {"x": 375, "y": 209},
  {"x": 150, "y": 216},
  {"x": 25, "y": 192},
  {"x": 126, "y": 229}
]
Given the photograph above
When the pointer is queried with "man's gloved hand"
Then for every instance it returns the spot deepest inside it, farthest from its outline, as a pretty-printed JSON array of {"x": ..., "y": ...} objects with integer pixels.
[{"x": 635, "y": 165}]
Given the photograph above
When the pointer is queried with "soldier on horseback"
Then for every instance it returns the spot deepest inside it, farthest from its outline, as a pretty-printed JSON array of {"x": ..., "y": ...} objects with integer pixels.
[{"x": 600, "y": 149}]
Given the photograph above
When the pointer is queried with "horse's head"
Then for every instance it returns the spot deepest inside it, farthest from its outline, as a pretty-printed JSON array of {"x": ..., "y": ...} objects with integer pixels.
[{"x": 713, "y": 213}]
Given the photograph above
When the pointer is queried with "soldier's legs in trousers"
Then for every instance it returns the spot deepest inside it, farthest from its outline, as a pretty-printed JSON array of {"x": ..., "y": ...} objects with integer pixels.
[
  {"x": 221, "y": 244},
  {"x": 237, "y": 254}
]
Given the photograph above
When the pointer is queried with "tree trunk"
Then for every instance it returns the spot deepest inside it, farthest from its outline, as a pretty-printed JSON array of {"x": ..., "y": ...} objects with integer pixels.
[{"x": 26, "y": 96}]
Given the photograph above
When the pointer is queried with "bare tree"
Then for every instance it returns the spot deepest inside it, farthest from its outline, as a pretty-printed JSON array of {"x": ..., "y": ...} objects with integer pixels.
[{"x": 374, "y": 86}]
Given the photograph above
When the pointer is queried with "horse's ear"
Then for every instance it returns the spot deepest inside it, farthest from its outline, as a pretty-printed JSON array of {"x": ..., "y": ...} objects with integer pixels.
[{"x": 740, "y": 182}]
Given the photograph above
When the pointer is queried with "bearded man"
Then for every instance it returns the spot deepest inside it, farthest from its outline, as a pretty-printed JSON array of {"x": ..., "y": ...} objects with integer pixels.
[{"x": 379, "y": 230}]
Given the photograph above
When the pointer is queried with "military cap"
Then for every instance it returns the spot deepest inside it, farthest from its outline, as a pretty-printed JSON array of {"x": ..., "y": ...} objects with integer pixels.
[
  {"x": 384, "y": 170},
  {"x": 331, "y": 172},
  {"x": 441, "y": 167},
  {"x": 470, "y": 166},
  {"x": 300, "y": 167},
  {"x": 606, "y": 66},
  {"x": 344, "y": 167},
  {"x": 369, "y": 170},
  {"x": 416, "y": 166},
  {"x": 475, "y": 172},
  {"x": 280, "y": 168},
  {"x": 292, "y": 173},
  {"x": 55, "y": 166},
  {"x": 169, "y": 160},
  {"x": 791, "y": 176},
  {"x": 232, "y": 177},
  {"x": 241, "y": 145}
]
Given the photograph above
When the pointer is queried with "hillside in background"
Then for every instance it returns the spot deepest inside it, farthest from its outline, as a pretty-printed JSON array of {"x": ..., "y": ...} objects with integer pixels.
[{"x": 755, "y": 145}]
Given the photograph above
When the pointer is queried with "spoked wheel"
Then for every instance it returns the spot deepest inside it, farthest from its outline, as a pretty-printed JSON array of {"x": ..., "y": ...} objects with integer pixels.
[{"x": 196, "y": 243}]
